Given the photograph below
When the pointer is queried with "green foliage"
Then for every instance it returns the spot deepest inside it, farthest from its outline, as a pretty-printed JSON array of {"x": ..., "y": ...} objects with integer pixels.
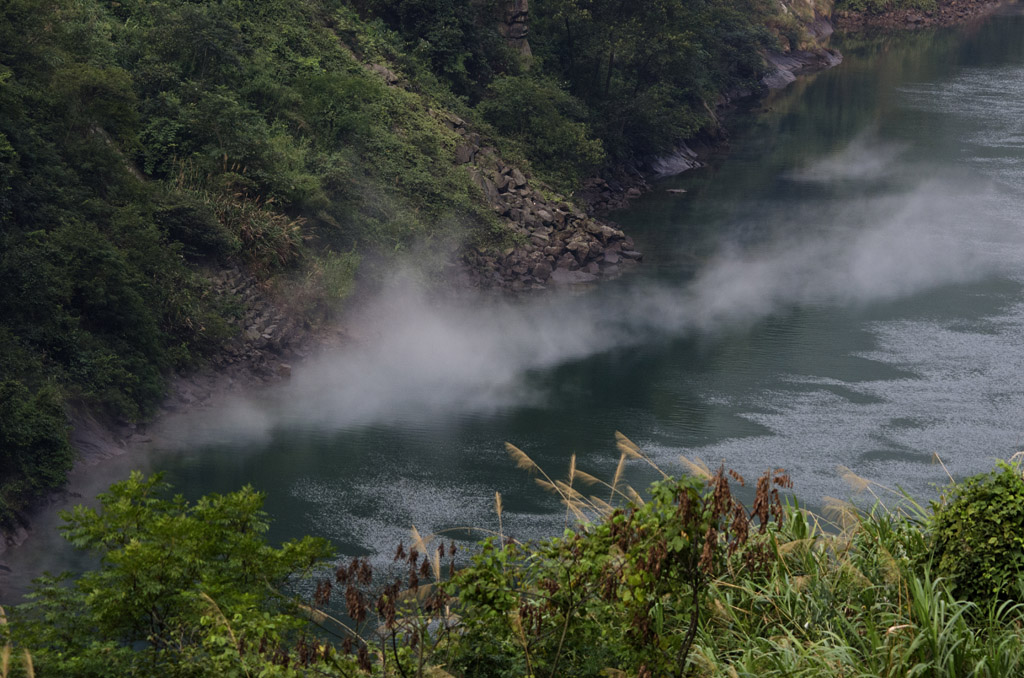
[
  {"x": 882, "y": 6},
  {"x": 646, "y": 70},
  {"x": 686, "y": 583},
  {"x": 548, "y": 124},
  {"x": 625, "y": 594},
  {"x": 34, "y": 430},
  {"x": 639, "y": 75},
  {"x": 181, "y": 589},
  {"x": 459, "y": 40},
  {"x": 978, "y": 536}
]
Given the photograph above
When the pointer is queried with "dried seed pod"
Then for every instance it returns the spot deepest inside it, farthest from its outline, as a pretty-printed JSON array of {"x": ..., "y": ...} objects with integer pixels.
[
  {"x": 365, "y": 572},
  {"x": 364, "y": 659},
  {"x": 707, "y": 556},
  {"x": 322, "y": 596}
]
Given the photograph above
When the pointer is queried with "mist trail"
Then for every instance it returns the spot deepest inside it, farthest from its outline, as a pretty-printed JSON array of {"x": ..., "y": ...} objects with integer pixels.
[{"x": 420, "y": 358}]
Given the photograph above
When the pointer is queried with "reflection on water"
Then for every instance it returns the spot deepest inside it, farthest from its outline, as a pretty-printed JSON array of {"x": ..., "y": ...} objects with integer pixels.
[{"x": 844, "y": 287}]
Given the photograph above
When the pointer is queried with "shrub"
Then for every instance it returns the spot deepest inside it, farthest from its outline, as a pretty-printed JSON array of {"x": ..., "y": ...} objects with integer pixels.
[
  {"x": 181, "y": 589},
  {"x": 548, "y": 123},
  {"x": 34, "y": 450},
  {"x": 978, "y": 536}
]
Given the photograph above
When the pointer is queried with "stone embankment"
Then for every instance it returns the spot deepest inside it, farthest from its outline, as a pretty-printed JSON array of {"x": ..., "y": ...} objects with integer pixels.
[
  {"x": 271, "y": 336},
  {"x": 555, "y": 242}
]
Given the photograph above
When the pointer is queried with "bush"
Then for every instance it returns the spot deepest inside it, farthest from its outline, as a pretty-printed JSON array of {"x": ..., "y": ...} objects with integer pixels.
[
  {"x": 978, "y": 536},
  {"x": 181, "y": 589},
  {"x": 549, "y": 125},
  {"x": 34, "y": 450}
]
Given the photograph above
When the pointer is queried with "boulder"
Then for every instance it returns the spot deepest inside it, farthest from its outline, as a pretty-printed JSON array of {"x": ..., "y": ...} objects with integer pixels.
[
  {"x": 542, "y": 271},
  {"x": 464, "y": 153},
  {"x": 563, "y": 276}
]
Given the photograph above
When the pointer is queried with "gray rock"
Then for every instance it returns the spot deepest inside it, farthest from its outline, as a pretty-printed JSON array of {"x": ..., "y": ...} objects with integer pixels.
[
  {"x": 562, "y": 276},
  {"x": 464, "y": 153}
]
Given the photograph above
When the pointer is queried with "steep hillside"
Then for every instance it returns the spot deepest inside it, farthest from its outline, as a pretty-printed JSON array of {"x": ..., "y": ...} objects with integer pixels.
[{"x": 186, "y": 182}]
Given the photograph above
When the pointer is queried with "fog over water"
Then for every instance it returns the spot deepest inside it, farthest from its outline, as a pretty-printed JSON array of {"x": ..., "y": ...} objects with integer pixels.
[
  {"x": 862, "y": 308},
  {"x": 845, "y": 287},
  {"x": 419, "y": 358}
]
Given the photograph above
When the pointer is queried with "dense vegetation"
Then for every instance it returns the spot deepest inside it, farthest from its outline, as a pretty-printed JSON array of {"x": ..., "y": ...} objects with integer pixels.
[
  {"x": 143, "y": 143},
  {"x": 688, "y": 582},
  {"x": 881, "y": 6}
]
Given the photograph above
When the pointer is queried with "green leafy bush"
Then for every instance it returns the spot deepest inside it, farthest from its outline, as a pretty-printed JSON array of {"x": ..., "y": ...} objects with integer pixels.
[
  {"x": 548, "y": 124},
  {"x": 882, "y": 6},
  {"x": 625, "y": 594},
  {"x": 34, "y": 450},
  {"x": 978, "y": 536},
  {"x": 181, "y": 589},
  {"x": 686, "y": 583}
]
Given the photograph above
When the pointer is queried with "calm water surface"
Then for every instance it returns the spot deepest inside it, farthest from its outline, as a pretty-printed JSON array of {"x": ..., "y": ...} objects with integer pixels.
[{"x": 844, "y": 287}]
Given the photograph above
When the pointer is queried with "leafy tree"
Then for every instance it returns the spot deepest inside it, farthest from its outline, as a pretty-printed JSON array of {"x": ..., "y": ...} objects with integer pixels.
[
  {"x": 459, "y": 39},
  {"x": 647, "y": 69},
  {"x": 181, "y": 589},
  {"x": 34, "y": 450},
  {"x": 548, "y": 123}
]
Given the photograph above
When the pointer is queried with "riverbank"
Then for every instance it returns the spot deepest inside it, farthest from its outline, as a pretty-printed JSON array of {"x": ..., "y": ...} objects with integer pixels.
[
  {"x": 553, "y": 242},
  {"x": 184, "y": 398},
  {"x": 946, "y": 13}
]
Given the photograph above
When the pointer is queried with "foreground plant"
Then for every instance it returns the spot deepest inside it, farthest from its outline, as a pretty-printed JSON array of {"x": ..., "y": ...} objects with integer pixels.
[
  {"x": 685, "y": 583},
  {"x": 180, "y": 589}
]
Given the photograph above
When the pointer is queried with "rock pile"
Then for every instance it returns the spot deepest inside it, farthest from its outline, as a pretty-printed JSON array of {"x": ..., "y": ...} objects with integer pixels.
[
  {"x": 558, "y": 243},
  {"x": 603, "y": 195}
]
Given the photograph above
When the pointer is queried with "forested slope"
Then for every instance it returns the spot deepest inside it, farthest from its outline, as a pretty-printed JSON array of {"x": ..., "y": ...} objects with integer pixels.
[{"x": 146, "y": 145}]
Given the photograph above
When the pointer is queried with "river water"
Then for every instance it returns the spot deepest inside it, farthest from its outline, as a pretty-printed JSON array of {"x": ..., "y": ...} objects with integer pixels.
[{"x": 843, "y": 288}]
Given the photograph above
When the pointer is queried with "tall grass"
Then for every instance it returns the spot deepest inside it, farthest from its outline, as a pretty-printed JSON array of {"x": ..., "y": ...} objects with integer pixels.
[{"x": 852, "y": 595}]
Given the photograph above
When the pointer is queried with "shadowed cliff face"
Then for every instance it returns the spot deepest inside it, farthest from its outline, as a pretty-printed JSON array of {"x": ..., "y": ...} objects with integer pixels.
[{"x": 514, "y": 24}]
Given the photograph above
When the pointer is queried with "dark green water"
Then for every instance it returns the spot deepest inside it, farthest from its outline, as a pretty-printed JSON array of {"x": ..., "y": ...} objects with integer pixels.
[{"x": 845, "y": 286}]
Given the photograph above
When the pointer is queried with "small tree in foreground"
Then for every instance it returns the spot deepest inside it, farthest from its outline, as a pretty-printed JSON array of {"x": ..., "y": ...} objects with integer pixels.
[{"x": 182, "y": 589}]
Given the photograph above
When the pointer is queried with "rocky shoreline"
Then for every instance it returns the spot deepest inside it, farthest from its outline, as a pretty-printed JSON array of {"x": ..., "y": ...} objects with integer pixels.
[
  {"x": 556, "y": 243},
  {"x": 946, "y": 13}
]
